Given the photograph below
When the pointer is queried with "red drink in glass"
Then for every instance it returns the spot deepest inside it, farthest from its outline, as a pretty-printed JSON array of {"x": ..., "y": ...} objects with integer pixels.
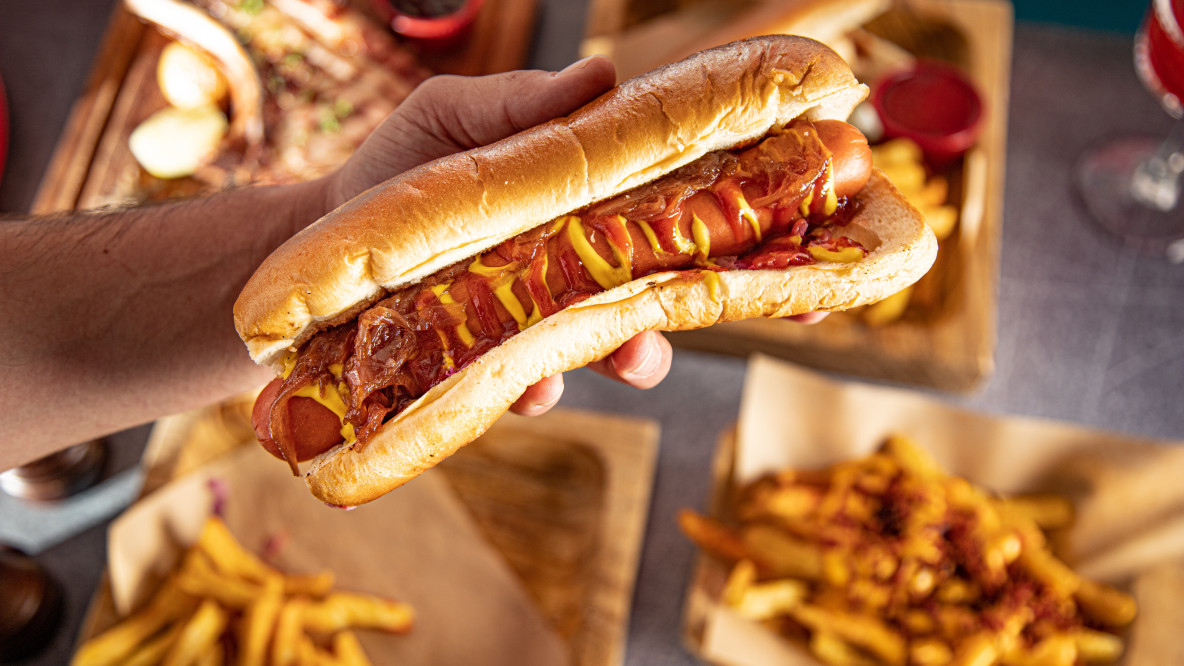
[
  {"x": 1159, "y": 53},
  {"x": 1132, "y": 186}
]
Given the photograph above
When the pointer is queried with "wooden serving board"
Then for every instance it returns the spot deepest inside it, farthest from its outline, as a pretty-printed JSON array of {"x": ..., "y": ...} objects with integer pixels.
[
  {"x": 1127, "y": 531},
  {"x": 120, "y": 92},
  {"x": 563, "y": 497},
  {"x": 946, "y": 338}
]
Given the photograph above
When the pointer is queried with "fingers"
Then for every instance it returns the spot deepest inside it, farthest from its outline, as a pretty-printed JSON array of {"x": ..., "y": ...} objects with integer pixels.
[
  {"x": 513, "y": 101},
  {"x": 448, "y": 114},
  {"x": 540, "y": 397},
  {"x": 809, "y": 317},
  {"x": 641, "y": 362}
]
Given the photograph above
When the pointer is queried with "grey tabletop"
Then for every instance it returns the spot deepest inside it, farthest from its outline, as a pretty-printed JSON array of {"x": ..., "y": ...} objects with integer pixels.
[{"x": 1088, "y": 332}]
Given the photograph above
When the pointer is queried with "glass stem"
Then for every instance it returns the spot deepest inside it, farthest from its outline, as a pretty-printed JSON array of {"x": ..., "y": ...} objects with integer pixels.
[{"x": 1156, "y": 182}]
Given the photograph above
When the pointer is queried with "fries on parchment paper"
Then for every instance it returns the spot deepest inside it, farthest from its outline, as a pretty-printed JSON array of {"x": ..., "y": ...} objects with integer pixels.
[
  {"x": 889, "y": 560},
  {"x": 901, "y": 161},
  {"x": 225, "y": 605}
]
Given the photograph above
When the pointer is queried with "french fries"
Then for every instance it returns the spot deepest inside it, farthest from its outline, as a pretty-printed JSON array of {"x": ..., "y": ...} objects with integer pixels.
[
  {"x": 341, "y": 610},
  {"x": 198, "y": 636},
  {"x": 349, "y": 650},
  {"x": 119, "y": 642},
  {"x": 901, "y": 161},
  {"x": 259, "y": 621},
  {"x": 224, "y": 605},
  {"x": 890, "y": 560}
]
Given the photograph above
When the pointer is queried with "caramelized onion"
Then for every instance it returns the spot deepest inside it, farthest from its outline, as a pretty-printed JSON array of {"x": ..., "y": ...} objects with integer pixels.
[
  {"x": 411, "y": 340},
  {"x": 661, "y": 198}
]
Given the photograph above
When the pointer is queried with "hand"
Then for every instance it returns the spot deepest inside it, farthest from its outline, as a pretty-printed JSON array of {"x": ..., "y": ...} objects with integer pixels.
[
  {"x": 642, "y": 362},
  {"x": 809, "y": 317},
  {"x": 448, "y": 114}
]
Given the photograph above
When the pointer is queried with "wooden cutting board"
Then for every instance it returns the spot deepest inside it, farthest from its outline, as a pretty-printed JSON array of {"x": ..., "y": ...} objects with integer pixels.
[
  {"x": 1115, "y": 538},
  {"x": 563, "y": 497},
  {"x": 92, "y": 146},
  {"x": 946, "y": 339}
]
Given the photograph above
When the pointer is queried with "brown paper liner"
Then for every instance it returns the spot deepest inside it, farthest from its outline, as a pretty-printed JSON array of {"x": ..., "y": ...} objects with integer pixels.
[
  {"x": 417, "y": 545},
  {"x": 1127, "y": 493}
]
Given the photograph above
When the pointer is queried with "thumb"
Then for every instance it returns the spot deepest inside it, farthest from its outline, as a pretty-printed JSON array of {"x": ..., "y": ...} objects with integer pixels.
[
  {"x": 448, "y": 114},
  {"x": 478, "y": 111}
]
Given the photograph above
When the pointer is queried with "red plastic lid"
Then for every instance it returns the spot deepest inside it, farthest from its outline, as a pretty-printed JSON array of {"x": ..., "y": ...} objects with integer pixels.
[
  {"x": 429, "y": 28},
  {"x": 932, "y": 103},
  {"x": 3, "y": 129}
]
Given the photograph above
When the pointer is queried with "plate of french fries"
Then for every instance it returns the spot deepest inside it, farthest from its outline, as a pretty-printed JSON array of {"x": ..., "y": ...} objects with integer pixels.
[
  {"x": 237, "y": 564},
  {"x": 223, "y": 595},
  {"x": 902, "y": 162},
  {"x": 867, "y": 525}
]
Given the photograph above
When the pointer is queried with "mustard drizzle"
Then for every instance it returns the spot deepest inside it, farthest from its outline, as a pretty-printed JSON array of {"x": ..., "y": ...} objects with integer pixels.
[
  {"x": 651, "y": 236},
  {"x": 605, "y": 274},
  {"x": 332, "y": 399},
  {"x": 702, "y": 238},
  {"x": 462, "y": 329}
]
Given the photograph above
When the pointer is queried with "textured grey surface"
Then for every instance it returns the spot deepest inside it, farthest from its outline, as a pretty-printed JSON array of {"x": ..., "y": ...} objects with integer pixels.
[{"x": 1088, "y": 332}]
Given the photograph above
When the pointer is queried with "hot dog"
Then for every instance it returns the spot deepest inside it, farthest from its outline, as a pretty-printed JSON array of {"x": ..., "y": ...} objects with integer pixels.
[
  {"x": 713, "y": 221},
  {"x": 400, "y": 352}
]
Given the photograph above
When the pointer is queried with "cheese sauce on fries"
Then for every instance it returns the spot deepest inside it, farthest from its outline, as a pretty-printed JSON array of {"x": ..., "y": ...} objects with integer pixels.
[{"x": 889, "y": 560}]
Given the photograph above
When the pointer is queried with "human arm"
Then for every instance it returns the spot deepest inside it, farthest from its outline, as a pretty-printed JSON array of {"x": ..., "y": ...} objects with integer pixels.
[{"x": 114, "y": 318}]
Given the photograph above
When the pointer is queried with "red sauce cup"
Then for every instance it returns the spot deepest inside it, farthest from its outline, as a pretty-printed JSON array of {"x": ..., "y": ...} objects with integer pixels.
[
  {"x": 3, "y": 128},
  {"x": 430, "y": 22},
  {"x": 934, "y": 104}
]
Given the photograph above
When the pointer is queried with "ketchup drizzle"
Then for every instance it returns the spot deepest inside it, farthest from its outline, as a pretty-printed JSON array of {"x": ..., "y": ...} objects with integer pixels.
[{"x": 411, "y": 340}]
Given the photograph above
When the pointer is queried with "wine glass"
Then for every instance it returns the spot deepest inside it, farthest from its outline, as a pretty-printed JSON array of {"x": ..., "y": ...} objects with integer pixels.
[{"x": 1131, "y": 186}]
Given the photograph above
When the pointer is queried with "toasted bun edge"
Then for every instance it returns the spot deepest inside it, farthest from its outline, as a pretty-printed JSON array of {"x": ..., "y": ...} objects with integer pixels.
[
  {"x": 435, "y": 215},
  {"x": 464, "y": 406}
]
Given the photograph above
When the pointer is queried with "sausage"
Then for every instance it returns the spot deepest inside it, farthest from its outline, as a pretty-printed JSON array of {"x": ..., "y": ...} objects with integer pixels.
[
  {"x": 728, "y": 234},
  {"x": 852, "y": 160},
  {"x": 556, "y": 265},
  {"x": 317, "y": 428}
]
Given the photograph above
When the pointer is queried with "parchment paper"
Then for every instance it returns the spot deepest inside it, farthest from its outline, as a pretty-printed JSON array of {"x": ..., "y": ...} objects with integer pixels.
[
  {"x": 1128, "y": 492},
  {"x": 416, "y": 544}
]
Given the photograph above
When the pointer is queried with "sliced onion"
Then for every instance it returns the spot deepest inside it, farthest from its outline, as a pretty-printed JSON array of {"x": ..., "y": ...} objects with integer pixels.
[
  {"x": 174, "y": 142},
  {"x": 194, "y": 26}
]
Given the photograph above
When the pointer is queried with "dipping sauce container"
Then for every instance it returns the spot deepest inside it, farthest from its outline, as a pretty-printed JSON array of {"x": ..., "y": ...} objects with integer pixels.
[{"x": 934, "y": 104}]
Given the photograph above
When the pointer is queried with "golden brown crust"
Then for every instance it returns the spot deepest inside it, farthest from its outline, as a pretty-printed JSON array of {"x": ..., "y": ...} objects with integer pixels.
[
  {"x": 824, "y": 20},
  {"x": 460, "y": 205},
  {"x": 430, "y": 217},
  {"x": 460, "y": 409}
]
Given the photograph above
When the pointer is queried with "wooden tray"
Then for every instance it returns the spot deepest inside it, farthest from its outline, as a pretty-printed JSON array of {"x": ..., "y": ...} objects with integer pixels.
[
  {"x": 946, "y": 339},
  {"x": 563, "y": 497},
  {"x": 1128, "y": 528},
  {"x": 120, "y": 92}
]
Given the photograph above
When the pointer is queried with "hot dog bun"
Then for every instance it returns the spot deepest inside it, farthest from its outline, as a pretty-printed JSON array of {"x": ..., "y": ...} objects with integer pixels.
[
  {"x": 431, "y": 217},
  {"x": 471, "y": 201}
]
